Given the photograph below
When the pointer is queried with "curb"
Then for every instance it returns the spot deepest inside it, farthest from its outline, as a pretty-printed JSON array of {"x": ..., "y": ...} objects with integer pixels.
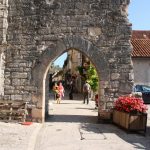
[{"x": 33, "y": 137}]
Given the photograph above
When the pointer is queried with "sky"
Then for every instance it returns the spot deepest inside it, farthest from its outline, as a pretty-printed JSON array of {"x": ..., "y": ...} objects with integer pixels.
[
  {"x": 60, "y": 60},
  {"x": 139, "y": 16}
]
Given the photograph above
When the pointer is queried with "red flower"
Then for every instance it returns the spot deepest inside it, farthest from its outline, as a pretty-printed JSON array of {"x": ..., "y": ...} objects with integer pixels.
[{"x": 130, "y": 104}]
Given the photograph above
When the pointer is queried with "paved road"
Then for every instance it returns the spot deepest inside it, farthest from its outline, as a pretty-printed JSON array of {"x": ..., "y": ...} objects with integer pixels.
[
  {"x": 14, "y": 136},
  {"x": 73, "y": 125}
]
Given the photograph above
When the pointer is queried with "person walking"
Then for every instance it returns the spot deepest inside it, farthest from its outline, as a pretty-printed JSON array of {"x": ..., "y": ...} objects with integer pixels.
[
  {"x": 58, "y": 95},
  {"x": 86, "y": 92},
  {"x": 54, "y": 90},
  {"x": 71, "y": 90},
  {"x": 61, "y": 90}
]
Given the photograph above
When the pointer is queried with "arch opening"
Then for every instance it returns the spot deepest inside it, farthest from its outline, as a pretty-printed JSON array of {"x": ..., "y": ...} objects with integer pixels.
[
  {"x": 75, "y": 69},
  {"x": 49, "y": 55}
]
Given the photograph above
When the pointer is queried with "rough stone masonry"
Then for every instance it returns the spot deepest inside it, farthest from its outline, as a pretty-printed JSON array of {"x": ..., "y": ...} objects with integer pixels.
[{"x": 35, "y": 32}]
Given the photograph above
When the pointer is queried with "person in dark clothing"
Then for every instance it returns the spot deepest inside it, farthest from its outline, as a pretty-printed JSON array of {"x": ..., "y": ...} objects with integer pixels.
[
  {"x": 54, "y": 90},
  {"x": 71, "y": 90}
]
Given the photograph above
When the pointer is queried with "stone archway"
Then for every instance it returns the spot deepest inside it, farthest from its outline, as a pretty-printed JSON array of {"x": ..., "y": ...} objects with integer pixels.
[
  {"x": 45, "y": 29},
  {"x": 39, "y": 72}
]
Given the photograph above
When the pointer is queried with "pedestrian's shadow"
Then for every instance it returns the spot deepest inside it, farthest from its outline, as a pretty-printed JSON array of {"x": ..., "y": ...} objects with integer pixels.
[{"x": 137, "y": 140}]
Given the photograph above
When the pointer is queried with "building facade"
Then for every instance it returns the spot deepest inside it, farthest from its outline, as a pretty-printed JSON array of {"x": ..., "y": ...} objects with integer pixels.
[{"x": 141, "y": 57}]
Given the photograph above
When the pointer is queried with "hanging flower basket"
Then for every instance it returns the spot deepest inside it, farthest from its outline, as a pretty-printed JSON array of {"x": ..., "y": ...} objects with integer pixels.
[{"x": 130, "y": 113}]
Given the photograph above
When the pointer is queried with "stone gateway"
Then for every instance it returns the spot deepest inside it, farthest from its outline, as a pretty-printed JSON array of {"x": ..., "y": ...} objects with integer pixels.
[{"x": 35, "y": 32}]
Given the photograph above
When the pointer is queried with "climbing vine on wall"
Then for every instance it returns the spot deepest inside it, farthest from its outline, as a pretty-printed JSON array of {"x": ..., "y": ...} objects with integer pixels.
[{"x": 89, "y": 73}]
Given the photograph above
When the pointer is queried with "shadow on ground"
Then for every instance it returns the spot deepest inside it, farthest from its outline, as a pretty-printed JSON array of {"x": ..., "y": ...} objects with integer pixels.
[
  {"x": 72, "y": 118},
  {"x": 137, "y": 140},
  {"x": 90, "y": 124}
]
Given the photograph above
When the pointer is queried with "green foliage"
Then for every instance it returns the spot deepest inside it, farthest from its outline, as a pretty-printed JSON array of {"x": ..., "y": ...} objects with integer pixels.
[
  {"x": 90, "y": 75},
  {"x": 80, "y": 69}
]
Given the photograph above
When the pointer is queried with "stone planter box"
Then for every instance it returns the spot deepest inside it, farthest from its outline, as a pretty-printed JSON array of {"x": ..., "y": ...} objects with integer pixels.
[{"x": 130, "y": 122}]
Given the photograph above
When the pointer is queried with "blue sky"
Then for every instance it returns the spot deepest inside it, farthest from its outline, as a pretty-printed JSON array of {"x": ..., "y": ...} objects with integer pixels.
[
  {"x": 139, "y": 16},
  {"x": 60, "y": 60}
]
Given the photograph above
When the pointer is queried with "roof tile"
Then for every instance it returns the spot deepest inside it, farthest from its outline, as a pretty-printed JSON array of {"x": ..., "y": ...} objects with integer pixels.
[{"x": 141, "y": 43}]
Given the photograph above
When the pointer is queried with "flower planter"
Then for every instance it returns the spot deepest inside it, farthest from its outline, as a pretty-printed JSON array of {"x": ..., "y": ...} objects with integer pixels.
[
  {"x": 129, "y": 121},
  {"x": 105, "y": 116}
]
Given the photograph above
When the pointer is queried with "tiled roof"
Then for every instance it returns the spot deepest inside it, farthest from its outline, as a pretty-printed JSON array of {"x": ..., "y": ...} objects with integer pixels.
[
  {"x": 140, "y": 34},
  {"x": 141, "y": 48},
  {"x": 141, "y": 43}
]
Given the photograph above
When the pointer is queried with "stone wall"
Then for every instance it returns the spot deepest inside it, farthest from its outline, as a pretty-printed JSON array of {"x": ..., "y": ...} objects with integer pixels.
[
  {"x": 40, "y": 30},
  {"x": 3, "y": 41}
]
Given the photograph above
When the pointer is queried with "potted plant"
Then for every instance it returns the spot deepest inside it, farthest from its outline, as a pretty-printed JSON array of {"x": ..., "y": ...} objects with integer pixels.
[{"x": 130, "y": 113}]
